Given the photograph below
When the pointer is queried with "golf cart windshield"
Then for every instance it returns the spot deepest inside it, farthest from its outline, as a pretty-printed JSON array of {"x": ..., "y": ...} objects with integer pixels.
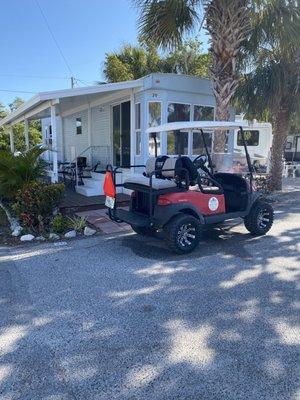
[
  {"x": 230, "y": 162},
  {"x": 227, "y": 161}
]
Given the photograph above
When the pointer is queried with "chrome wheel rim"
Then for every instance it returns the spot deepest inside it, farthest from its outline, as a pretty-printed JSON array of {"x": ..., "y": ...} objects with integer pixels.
[
  {"x": 186, "y": 235},
  {"x": 263, "y": 219}
]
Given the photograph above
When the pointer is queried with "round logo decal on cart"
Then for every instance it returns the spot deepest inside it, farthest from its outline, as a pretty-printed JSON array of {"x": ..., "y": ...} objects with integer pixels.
[{"x": 213, "y": 203}]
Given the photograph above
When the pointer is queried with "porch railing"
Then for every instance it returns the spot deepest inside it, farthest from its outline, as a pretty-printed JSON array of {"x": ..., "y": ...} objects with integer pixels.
[{"x": 96, "y": 155}]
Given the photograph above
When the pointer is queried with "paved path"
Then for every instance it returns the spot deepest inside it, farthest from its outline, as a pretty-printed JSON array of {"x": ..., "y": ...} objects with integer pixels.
[{"x": 117, "y": 317}]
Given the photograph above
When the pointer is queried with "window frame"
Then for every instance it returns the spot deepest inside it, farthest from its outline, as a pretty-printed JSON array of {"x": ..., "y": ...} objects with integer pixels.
[
  {"x": 159, "y": 135},
  {"x": 245, "y": 131},
  {"x": 138, "y": 130},
  {"x": 179, "y": 102},
  {"x": 76, "y": 126},
  {"x": 204, "y": 105},
  {"x": 192, "y": 133},
  {"x": 188, "y": 132}
]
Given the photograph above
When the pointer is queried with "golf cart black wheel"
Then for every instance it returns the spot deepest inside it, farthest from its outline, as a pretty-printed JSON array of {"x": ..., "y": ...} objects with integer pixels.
[
  {"x": 260, "y": 219},
  {"x": 144, "y": 231},
  {"x": 183, "y": 233}
]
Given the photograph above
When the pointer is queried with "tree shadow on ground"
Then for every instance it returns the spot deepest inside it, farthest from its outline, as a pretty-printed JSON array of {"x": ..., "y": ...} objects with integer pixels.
[{"x": 125, "y": 320}]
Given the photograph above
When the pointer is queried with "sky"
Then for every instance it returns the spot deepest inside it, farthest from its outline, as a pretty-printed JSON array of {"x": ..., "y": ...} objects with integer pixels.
[{"x": 84, "y": 29}]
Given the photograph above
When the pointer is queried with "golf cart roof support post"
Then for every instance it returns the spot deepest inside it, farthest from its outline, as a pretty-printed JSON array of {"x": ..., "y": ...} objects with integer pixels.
[
  {"x": 154, "y": 137},
  {"x": 207, "y": 152},
  {"x": 247, "y": 155}
]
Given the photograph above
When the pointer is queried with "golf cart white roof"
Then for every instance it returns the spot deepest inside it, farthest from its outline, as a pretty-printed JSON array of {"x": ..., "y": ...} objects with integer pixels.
[{"x": 177, "y": 126}]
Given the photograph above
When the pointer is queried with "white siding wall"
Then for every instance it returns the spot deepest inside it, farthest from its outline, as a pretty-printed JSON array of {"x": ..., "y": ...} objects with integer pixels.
[
  {"x": 71, "y": 138},
  {"x": 101, "y": 125}
]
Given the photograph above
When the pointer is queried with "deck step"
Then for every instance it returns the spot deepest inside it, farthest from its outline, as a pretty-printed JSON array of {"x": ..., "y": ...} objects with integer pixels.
[
  {"x": 89, "y": 191},
  {"x": 92, "y": 183}
]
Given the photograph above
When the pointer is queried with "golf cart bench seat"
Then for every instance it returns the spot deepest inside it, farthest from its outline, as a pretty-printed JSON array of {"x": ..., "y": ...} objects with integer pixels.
[
  {"x": 166, "y": 181},
  {"x": 139, "y": 179}
]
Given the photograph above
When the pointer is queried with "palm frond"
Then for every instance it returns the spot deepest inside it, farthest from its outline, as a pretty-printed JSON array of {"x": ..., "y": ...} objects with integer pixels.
[
  {"x": 15, "y": 172},
  {"x": 165, "y": 22},
  {"x": 275, "y": 24}
]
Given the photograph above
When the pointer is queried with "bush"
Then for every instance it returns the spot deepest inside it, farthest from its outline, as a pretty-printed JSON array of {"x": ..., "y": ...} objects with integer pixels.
[
  {"x": 77, "y": 223},
  {"x": 262, "y": 184},
  {"x": 18, "y": 172},
  {"x": 60, "y": 223},
  {"x": 36, "y": 203}
]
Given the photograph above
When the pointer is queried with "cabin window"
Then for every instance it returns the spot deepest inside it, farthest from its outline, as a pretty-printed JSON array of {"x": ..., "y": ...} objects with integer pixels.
[
  {"x": 138, "y": 138},
  {"x": 78, "y": 126},
  {"x": 198, "y": 144},
  {"x": 154, "y": 119},
  {"x": 154, "y": 113},
  {"x": 203, "y": 113},
  {"x": 138, "y": 116},
  {"x": 177, "y": 142},
  {"x": 178, "y": 112},
  {"x": 251, "y": 138}
]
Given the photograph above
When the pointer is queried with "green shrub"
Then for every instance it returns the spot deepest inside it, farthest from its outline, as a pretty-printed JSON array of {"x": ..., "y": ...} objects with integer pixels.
[
  {"x": 17, "y": 172},
  {"x": 3, "y": 219},
  {"x": 77, "y": 223},
  {"x": 60, "y": 224},
  {"x": 36, "y": 203}
]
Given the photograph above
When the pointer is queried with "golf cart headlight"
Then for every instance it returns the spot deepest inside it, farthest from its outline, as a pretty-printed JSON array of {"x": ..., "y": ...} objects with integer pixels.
[{"x": 163, "y": 201}]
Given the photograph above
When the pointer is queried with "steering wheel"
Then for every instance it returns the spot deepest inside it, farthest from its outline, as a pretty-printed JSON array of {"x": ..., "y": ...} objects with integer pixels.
[{"x": 200, "y": 161}]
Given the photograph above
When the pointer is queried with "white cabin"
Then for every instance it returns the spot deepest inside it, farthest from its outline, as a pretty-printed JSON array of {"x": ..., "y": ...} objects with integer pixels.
[{"x": 107, "y": 123}]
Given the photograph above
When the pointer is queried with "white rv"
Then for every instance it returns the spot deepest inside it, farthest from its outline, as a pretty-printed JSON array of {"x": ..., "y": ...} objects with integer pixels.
[
  {"x": 259, "y": 141},
  {"x": 292, "y": 156}
]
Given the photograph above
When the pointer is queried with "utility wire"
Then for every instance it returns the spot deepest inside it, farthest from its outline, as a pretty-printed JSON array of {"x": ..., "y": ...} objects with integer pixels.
[
  {"x": 16, "y": 91},
  {"x": 83, "y": 82},
  {"x": 33, "y": 76},
  {"x": 53, "y": 37}
]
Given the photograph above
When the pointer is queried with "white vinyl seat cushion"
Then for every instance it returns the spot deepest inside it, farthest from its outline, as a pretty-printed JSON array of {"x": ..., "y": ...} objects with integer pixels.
[
  {"x": 206, "y": 188},
  {"x": 145, "y": 181}
]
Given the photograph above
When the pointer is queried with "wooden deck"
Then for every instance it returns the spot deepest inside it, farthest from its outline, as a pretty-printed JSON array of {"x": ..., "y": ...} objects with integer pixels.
[{"x": 74, "y": 201}]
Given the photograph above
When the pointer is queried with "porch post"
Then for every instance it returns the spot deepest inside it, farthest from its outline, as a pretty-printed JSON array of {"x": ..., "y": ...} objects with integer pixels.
[
  {"x": 132, "y": 128},
  {"x": 54, "y": 177},
  {"x": 26, "y": 125},
  {"x": 11, "y": 139},
  {"x": 89, "y": 131}
]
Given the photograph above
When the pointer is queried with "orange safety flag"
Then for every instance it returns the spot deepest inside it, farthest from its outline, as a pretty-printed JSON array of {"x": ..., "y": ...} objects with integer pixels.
[{"x": 108, "y": 185}]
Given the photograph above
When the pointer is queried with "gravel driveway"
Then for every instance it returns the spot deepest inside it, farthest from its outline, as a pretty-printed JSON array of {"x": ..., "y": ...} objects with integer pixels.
[{"x": 118, "y": 317}]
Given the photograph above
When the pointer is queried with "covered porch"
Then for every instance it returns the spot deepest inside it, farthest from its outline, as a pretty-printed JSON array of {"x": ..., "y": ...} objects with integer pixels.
[{"x": 91, "y": 137}]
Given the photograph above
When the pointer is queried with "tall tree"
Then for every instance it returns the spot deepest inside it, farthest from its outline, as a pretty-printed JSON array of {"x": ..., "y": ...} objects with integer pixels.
[
  {"x": 166, "y": 22},
  {"x": 272, "y": 86},
  {"x": 133, "y": 62},
  {"x": 18, "y": 129},
  {"x": 188, "y": 58}
]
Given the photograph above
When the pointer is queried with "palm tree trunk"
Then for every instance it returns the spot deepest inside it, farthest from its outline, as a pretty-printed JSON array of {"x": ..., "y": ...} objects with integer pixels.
[
  {"x": 12, "y": 221},
  {"x": 280, "y": 132},
  {"x": 222, "y": 114},
  {"x": 228, "y": 25}
]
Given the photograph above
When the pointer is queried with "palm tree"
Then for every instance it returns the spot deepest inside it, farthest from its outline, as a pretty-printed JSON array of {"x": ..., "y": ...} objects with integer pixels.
[
  {"x": 165, "y": 22},
  {"x": 272, "y": 86}
]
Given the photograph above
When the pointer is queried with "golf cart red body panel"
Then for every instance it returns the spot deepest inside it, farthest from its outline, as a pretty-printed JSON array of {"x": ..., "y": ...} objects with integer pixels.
[{"x": 206, "y": 204}]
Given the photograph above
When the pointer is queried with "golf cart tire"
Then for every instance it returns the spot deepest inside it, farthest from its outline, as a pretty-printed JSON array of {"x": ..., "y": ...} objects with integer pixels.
[
  {"x": 143, "y": 230},
  {"x": 253, "y": 222},
  {"x": 172, "y": 233}
]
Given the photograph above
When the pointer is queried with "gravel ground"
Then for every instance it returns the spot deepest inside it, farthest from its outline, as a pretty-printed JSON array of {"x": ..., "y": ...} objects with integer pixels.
[{"x": 118, "y": 317}]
